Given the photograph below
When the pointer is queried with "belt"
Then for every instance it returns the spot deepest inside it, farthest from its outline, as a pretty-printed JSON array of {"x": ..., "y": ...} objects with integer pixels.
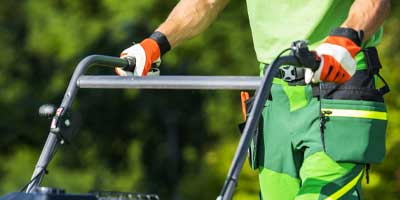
[{"x": 295, "y": 76}]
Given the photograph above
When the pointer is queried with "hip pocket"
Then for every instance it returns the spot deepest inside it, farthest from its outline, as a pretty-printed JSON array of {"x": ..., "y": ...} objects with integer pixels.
[{"x": 354, "y": 131}]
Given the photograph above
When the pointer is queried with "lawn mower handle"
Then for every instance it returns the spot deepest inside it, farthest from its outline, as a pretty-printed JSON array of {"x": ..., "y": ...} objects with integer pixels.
[
  {"x": 56, "y": 128},
  {"x": 58, "y": 123}
]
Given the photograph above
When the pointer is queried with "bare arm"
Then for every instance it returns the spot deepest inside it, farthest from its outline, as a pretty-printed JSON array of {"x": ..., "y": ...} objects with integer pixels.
[
  {"x": 367, "y": 15},
  {"x": 189, "y": 18}
]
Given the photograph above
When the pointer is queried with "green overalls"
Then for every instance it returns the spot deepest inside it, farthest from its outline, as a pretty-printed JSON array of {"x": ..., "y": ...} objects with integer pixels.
[{"x": 314, "y": 146}]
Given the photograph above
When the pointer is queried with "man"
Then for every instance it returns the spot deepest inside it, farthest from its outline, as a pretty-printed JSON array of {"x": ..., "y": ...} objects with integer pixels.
[{"x": 327, "y": 124}]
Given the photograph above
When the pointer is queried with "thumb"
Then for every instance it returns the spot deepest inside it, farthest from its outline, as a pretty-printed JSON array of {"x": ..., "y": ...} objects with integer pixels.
[{"x": 308, "y": 75}]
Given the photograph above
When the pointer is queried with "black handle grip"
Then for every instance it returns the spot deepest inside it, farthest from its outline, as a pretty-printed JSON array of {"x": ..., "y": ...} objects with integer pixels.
[{"x": 308, "y": 59}]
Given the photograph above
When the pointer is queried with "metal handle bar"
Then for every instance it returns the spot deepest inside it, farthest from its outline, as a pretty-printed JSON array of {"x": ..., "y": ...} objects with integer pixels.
[{"x": 172, "y": 82}]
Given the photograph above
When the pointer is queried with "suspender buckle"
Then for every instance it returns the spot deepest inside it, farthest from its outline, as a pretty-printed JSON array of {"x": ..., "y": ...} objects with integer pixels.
[{"x": 288, "y": 73}]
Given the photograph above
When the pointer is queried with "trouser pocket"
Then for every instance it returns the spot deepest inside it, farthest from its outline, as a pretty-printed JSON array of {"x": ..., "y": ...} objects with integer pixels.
[{"x": 354, "y": 131}]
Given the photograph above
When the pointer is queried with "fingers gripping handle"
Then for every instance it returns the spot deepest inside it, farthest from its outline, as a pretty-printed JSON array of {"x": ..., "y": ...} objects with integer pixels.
[
  {"x": 154, "y": 71},
  {"x": 131, "y": 63}
]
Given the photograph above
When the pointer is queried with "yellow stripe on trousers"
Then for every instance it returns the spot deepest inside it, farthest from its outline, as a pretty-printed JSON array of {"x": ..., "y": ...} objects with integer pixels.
[
  {"x": 355, "y": 113},
  {"x": 345, "y": 188}
]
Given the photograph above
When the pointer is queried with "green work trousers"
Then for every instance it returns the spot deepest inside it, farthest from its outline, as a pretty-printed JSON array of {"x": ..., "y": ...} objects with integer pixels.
[{"x": 311, "y": 148}]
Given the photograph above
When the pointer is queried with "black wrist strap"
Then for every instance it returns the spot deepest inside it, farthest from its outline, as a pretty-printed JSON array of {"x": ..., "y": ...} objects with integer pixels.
[
  {"x": 355, "y": 36},
  {"x": 162, "y": 42}
]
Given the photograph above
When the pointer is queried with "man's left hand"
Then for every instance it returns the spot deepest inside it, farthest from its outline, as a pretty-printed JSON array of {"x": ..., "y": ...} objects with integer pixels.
[{"x": 337, "y": 57}]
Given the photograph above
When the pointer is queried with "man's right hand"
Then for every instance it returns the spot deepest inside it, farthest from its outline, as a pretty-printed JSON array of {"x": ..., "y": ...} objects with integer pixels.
[{"x": 146, "y": 54}]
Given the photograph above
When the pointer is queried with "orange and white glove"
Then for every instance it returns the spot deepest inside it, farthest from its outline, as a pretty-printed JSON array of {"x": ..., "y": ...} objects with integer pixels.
[
  {"x": 337, "y": 57},
  {"x": 146, "y": 54}
]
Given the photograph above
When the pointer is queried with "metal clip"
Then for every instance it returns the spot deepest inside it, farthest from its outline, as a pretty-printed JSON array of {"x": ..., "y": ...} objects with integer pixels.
[{"x": 288, "y": 73}]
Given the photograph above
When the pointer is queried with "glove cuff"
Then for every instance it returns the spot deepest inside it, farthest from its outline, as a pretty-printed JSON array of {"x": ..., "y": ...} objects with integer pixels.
[
  {"x": 162, "y": 42},
  {"x": 355, "y": 36}
]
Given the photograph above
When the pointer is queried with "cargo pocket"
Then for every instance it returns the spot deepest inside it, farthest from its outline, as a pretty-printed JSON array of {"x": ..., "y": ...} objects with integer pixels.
[{"x": 354, "y": 130}]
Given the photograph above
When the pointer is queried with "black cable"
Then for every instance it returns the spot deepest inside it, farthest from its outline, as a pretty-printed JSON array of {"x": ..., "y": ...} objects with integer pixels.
[
  {"x": 33, "y": 179},
  {"x": 282, "y": 52},
  {"x": 277, "y": 57}
]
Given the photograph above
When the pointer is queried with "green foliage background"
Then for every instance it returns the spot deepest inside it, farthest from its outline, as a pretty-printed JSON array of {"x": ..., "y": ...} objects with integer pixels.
[{"x": 178, "y": 144}]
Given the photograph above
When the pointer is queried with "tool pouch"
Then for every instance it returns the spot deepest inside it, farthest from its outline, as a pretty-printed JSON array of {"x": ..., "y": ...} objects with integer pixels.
[{"x": 354, "y": 117}]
